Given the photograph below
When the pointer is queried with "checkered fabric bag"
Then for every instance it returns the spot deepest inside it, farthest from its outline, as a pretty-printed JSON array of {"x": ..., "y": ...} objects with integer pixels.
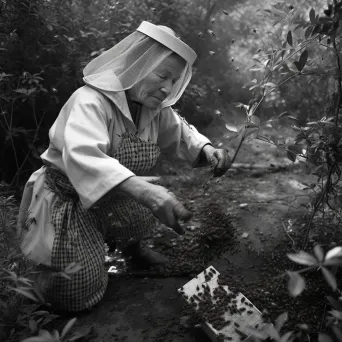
[
  {"x": 78, "y": 238},
  {"x": 78, "y": 232}
]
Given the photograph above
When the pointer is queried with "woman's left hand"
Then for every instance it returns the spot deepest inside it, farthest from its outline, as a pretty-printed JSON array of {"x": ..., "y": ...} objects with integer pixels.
[{"x": 218, "y": 159}]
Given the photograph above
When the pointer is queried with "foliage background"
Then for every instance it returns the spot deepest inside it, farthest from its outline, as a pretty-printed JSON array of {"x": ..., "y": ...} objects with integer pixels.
[{"x": 45, "y": 45}]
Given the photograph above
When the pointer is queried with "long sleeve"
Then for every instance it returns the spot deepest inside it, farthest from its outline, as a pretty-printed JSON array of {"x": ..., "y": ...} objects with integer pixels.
[
  {"x": 86, "y": 143},
  {"x": 178, "y": 138}
]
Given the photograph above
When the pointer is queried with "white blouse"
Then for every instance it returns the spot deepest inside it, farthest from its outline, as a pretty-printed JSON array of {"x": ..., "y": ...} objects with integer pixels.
[
  {"x": 88, "y": 131},
  {"x": 83, "y": 139}
]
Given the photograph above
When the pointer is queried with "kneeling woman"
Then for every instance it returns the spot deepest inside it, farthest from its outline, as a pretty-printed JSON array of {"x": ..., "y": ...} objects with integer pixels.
[{"x": 106, "y": 138}]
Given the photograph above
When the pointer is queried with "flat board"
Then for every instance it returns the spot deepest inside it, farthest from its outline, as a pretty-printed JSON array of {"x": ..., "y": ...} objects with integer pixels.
[{"x": 251, "y": 317}]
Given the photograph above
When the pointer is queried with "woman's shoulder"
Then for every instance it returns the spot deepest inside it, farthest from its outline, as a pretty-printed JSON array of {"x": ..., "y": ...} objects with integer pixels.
[{"x": 86, "y": 94}]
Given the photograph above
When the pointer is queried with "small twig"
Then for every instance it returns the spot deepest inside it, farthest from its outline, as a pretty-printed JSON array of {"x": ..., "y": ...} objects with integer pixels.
[
  {"x": 319, "y": 201},
  {"x": 290, "y": 237},
  {"x": 333, "y": 271},
  {"x": 238, "y": 149},
  {"x": 28, "y": 154},
  {"x": 339, "y": 81},
  {"x": 325, "y": 191},
  {"x": 232, "y": 161}
]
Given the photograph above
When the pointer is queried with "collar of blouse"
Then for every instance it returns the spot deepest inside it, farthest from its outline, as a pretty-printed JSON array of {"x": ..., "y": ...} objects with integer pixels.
[{"x": 120, "y": 100}]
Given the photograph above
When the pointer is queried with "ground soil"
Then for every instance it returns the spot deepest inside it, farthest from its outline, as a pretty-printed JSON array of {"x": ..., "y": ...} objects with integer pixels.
[{"x": 264, "y": 211}]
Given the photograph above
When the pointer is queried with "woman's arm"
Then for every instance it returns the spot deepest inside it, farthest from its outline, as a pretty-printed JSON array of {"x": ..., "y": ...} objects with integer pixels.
[
  {"x": 178, "y": 138},
  {"x": 87, "y": 164}
]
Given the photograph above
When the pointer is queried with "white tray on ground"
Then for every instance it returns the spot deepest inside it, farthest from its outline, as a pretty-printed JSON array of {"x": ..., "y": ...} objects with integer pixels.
[{"x": 243, "y": 319}]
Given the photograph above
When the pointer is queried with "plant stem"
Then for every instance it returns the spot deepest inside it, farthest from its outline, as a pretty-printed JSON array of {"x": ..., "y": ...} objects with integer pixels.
[
  {"x": 28, "y": 154},
  {"x": 281, "y": 83},
  {"x": 338, "y": 81},
  {"x": 240, "y": 144},
  {"x": 319, "y": 201},
  {"x": 325, "y": 191}
]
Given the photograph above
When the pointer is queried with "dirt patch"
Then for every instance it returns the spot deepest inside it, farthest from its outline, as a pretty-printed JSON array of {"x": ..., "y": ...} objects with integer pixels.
[{"x": 261, "y": 216}]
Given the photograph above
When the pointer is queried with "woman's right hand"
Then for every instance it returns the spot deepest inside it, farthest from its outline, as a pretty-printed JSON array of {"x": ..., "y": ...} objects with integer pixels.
[
  {"x": 165, "y": 206},
  {"x": 162, "y": 202}
]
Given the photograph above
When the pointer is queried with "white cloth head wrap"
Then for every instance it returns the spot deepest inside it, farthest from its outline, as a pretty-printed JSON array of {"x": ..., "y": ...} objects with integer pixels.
[{"x": 134, "y": 57}]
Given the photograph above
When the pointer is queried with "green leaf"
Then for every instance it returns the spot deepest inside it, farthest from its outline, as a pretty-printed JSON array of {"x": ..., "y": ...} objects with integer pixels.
[
  {"x": 303, "y": 326},
  {"x": 292, "y": 156},
  {"x": 324, "y": 338},
  {"x": 272, "y": 332},
  {"x": 334, "y": 303},
  {"x": 303, "y": 258},
  {"x": 55, "y": 335},
  {"x": 64, "y": 275},
  {"x": 296, "y": 128},
  {"x": 78, "y": 336},
  {"x": 25, "y": 281},
  {"x": 251, "y": 125},
  {"x": 32, "y": 326},
  {"x": 278, "y": 12},
  {"x": 297, "y": 64},
  {"x": 240, "y": 105},
  {"x": 319, "y": 253},
  {"x": 270, "y": 84},
  {"x": 298, "y": 26},
  {"x": 255, "y": 120},
  {"x": 336, "y": 314},
  {"x": 282, "y": 114},
  {"x": 296, "y": 148},
  {"x": 22, "y": 91},
  {"x": 39, "y": 294},
  {"x": 286, "y": 337},
  {"x": 255, "y": 69},
  {"x": 253, "y": 87},
  {"x": 280, "y": 321},
  {"x": 333, "y": 253},
  {"x": 44, "y": 333},
  {"x": 303, "y": 58},
  {"x": 249, "y": 83},
  {"x": 296, "y": 284},
  {"x": 41, "y": 313},
  {"x": 73, "y": 268},
  {"x": 265, "y": 139},
  {"x": 266, "y": 62},
  {"x": 68, "y": 326},
  {"x": 232, "y": 127},
  {"x": 289, "y": 38},
  {"x": 26, "y": 293},
  {"x": 308, "y": 31},
  {"x": 329, "y": 277},
  {"x": 37, "y": 339},
  {"x": 312, "y": 16},
  {"x": 333, "y": 262},
  {"x": 338, "y": 332},
  {"x": 256, "y": 333}
]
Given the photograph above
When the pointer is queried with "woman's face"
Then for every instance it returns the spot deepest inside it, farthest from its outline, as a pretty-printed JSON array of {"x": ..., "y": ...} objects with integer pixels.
[{"x": 157, "y": 86}]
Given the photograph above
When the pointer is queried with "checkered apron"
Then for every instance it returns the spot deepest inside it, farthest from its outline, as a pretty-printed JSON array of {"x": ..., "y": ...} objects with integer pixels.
[
  {"x": 129, "y": 220},
  {"x": 79, "y": 234}
]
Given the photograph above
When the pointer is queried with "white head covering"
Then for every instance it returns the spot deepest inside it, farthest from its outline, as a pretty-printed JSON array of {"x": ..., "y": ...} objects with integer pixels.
[{"x": 134, "y": 57}]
